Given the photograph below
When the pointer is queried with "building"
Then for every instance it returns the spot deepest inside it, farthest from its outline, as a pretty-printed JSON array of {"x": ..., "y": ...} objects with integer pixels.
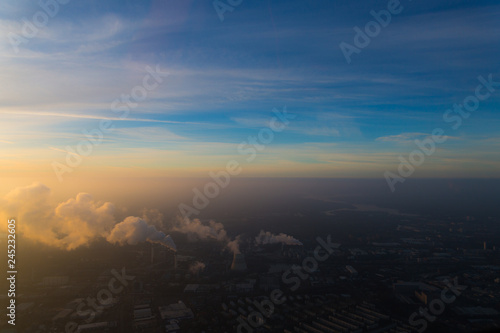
[{"x": 176, "y": 311}]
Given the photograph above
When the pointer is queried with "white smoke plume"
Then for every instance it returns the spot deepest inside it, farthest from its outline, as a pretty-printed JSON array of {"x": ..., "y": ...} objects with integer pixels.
[
  {"x": 73, "y": 223},
  {"x": 234, "y": 245},
  {"x": 265, "y": 237},
  {"x": 196, "y": 267},
  {"x": 154, "y": 217},
  {"x": 196, "y": 230},
  {"x": 134, "y": 230}
]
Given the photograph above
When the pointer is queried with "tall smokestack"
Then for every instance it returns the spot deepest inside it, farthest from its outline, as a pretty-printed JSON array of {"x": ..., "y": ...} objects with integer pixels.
[{"x": 239, "y": 263}]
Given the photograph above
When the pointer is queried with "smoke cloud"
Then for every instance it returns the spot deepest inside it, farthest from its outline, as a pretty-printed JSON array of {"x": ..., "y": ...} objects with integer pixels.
[
  {"x": 73, "y": 223},
  {"x": 196, "y": 230},
  {"x": 134, "y": 230},
  {"x": 234, "y": 245},
  {"x": 154, "y": 217},
  {"x": 196, "y": 267},
  {"x": 265, "y": 237}
]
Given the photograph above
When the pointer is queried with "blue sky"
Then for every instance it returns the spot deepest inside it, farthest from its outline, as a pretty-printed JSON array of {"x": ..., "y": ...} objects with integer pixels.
[{"x": 353, "y": 120}]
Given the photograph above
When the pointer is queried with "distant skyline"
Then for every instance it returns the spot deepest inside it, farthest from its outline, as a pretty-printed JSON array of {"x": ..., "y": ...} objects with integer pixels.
[{"x": 225, "y": 78}]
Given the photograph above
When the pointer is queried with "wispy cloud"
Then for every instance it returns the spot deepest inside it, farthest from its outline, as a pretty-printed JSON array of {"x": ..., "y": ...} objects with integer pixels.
[
  {"x": 148, "y": 134},
  {"x": 403, "y": 137},
  {"x": 63, "y": 151},
  {"x": 95, "y": 117},
  {"x": 226, "y": 78}
]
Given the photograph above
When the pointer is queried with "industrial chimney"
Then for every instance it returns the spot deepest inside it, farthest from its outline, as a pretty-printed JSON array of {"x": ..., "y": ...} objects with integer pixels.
[{"x": 239, "y": 263}]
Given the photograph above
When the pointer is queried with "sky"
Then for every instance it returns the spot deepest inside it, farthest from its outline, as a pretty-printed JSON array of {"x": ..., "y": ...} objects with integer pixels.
[{"x": 228, "y": 73}]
